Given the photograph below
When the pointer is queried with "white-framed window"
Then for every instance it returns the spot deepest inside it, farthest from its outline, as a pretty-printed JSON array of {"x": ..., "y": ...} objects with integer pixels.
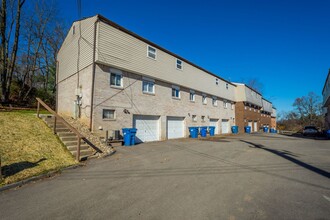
[
  {"x": 245, "y": 107},
  {"x": 250, "y": 109},
  {"x": 152, "y": 52},
  {"x": 226, "y": 85},
  {"x": 194, "y": 118},
  {"x": 148, "y": 85},
  {"x": 108, "y": 114},
  {"x": 204, "y": 100},
  {"x": 203, "y": 118},
  {"x": 232, "y": 106},
  {"x": 179, "y": 64},
  {"x": 176, "y": 92},
  {"x": 225, "y": 104},
  {"x": 216, "y": 81},
  {"x": 192, "y": 95},
  {"x": 116, "y": 78},
  {"x": 214, "y": 101}
]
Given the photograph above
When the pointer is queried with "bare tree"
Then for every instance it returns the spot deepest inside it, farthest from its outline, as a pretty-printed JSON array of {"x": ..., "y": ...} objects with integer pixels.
[
  {"x": 10, "y": 19},
  {"x": 254, "y": 83},
  {"x": 309, "y": 108}
]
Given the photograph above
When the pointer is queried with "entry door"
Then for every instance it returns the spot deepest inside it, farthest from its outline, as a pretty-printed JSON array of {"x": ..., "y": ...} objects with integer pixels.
[
  {"x": 255, "y": 126},
  {"x": 225, "y": 126},
  {"x": 214, "y": 122},
  {"x": 147, "y": 128},
  {"x": 175, "y": 127}
]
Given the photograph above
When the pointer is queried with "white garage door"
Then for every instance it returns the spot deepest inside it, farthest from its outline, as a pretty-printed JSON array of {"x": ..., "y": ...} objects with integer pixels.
[
  {"x": 214, "y": 122},
  {"x": 147, "y": 128},
  {"x": 225, "y": 126},
  {"x": 255, "y": 126},
  {"x": 250, "y": 124},
  {"x": 175, "y": 127}
]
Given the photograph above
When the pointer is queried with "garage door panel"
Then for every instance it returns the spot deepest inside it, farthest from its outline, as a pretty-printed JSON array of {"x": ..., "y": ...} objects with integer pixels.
[
  {"x": 225, "y": 126},
  {"x": 175, "y": 127},
  {"x": 147, "y": 128},
  {"x": 214, "y": 122}
]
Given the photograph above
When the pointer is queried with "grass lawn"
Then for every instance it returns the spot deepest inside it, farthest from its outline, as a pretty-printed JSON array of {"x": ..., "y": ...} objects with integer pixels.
[{"x": 28, "y": 147}]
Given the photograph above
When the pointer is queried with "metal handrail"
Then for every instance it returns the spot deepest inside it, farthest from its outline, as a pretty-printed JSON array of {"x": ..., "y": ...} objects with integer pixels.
[{"x": 57, "y": 116}]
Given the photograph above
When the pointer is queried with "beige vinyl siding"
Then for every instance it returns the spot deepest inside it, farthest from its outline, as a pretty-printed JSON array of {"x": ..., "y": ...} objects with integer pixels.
[
  {"x": 267, "y": 106},
  {"x": 68, "y": 54},
  {"x": 273, "y": 112},
  {"x": 121, "y": 50},
  {"x": 245, "y": 94}
]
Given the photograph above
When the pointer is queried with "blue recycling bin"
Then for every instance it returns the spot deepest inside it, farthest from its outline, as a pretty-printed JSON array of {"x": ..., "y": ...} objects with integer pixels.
[
  {"x": 327, "y": 133},
  {"x": 234, "y": 129},
  {"x": 272, "y": 130},
  {"x": 211, "y": 130},
  {"x": 203, "y": 131},
  {"x": 193, "y": 132},
  {"x": 247, "y": 129},
  {"x": 265, "y": 129},
  {"x": 132, "y": 135},
  {"x": 127, "y": 136}
]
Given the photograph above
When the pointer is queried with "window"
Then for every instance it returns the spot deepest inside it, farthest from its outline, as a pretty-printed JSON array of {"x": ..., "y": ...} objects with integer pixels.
[
  {"x": 152, "y": 52},
  {"x": 194, "y": 118},
  {"x": 179, "y": 64},
  {"x": 192, "y": 96},
  {"x": 216, "y": 81},
  {"x": 225, "y": 104},
  {"x": 226, "y": 85},
  {"x": 148, "y": 86},
  {"x": 204, "y": 100},
  {"x": 203, "y": 118},
  {"x": 245, "y": 107},
  {"x": 116, "y": 78},
  {"x": 214, "y": 101},
  {"x": 176, "y": 92},
  {"x": 232, "y": 106},
  {"x": 108, "y": 114},
  {"x": 73, "y": 30}
]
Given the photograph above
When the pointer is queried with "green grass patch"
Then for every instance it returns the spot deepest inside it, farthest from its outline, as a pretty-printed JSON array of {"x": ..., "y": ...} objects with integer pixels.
[{"x": 28, "y": 147}]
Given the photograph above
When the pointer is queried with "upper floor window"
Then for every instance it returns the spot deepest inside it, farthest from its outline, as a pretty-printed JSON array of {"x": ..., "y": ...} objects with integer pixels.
[
  {"x": 179, "y": 64},
  {"x": 226, "y": 85},
  {"x": 216, "y": 81},
  {"x": 225, "y": 104},
  {"x": 214, "y": 101},
  {"x": 192, "y": 96},
  {"x": 116, "y": 78},
  {"x": 152, "y": 52},
  {"x": 204, "y": 100},
  {"x": 148, "y": 86},
  {"x": 175, "y": 92}
]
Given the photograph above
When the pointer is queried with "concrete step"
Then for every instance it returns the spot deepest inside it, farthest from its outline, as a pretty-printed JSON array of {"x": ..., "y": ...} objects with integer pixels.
[
  {"x": 62, "y": 130},
  {"x": 66, "y": 134},
  {"x": 73, "y": 142},
  {"x": 74, "y": 148},
  {"x": 64, "y": 139}
]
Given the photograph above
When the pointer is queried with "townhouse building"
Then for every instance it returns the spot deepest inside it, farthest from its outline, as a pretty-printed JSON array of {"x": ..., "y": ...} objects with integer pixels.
[
  {"x": 110, "y": 78},
  {"x": 251, "y": 109},
  {"x": 326, "y": 101}
]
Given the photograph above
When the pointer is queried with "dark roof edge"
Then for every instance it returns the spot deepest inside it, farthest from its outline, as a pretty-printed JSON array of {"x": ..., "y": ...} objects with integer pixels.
[
  {"x": 325, "y": 83},
  {"x": 115, "y": 25}
]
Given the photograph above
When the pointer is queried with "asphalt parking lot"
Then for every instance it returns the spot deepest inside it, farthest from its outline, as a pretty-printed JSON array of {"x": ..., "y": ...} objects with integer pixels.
[{"x": 257, "y": 176}]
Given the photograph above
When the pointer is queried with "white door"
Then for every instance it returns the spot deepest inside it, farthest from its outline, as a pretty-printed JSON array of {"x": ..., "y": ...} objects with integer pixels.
[
  {"x": 250, "y": 124},
  {"x": 214, "y": 122},
  {"x": 147, "y": 128},
  {"x": 255, "y": 126},
  {"x": 225, "y": 126},
  {"x": 175, "y": 127}
]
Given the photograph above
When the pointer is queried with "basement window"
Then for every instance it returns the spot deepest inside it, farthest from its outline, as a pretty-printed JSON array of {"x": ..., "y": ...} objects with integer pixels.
[
  {"x": 152, "y": 52},
  {"x": 194, "y": 118},
  {"x": 108, "y": 114}
]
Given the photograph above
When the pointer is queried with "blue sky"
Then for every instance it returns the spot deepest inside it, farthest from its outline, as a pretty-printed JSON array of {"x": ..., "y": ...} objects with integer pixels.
[{"x": 283, "y": 44}]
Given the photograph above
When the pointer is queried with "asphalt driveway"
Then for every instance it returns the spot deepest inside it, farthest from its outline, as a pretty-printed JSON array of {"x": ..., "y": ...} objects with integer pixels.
[{"x": 238, "y": 177}]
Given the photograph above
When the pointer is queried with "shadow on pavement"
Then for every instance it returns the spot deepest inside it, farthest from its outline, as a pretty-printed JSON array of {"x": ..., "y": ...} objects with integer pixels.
[{"x": 287, "y": 155}]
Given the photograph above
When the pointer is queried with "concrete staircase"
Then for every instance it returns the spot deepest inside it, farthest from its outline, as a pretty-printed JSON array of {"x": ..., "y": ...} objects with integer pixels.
[{"x": 68, "y": 138}]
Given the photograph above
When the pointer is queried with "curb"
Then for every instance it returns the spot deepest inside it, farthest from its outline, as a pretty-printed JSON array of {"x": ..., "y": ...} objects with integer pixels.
[{"x": 39, "y": 177}]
